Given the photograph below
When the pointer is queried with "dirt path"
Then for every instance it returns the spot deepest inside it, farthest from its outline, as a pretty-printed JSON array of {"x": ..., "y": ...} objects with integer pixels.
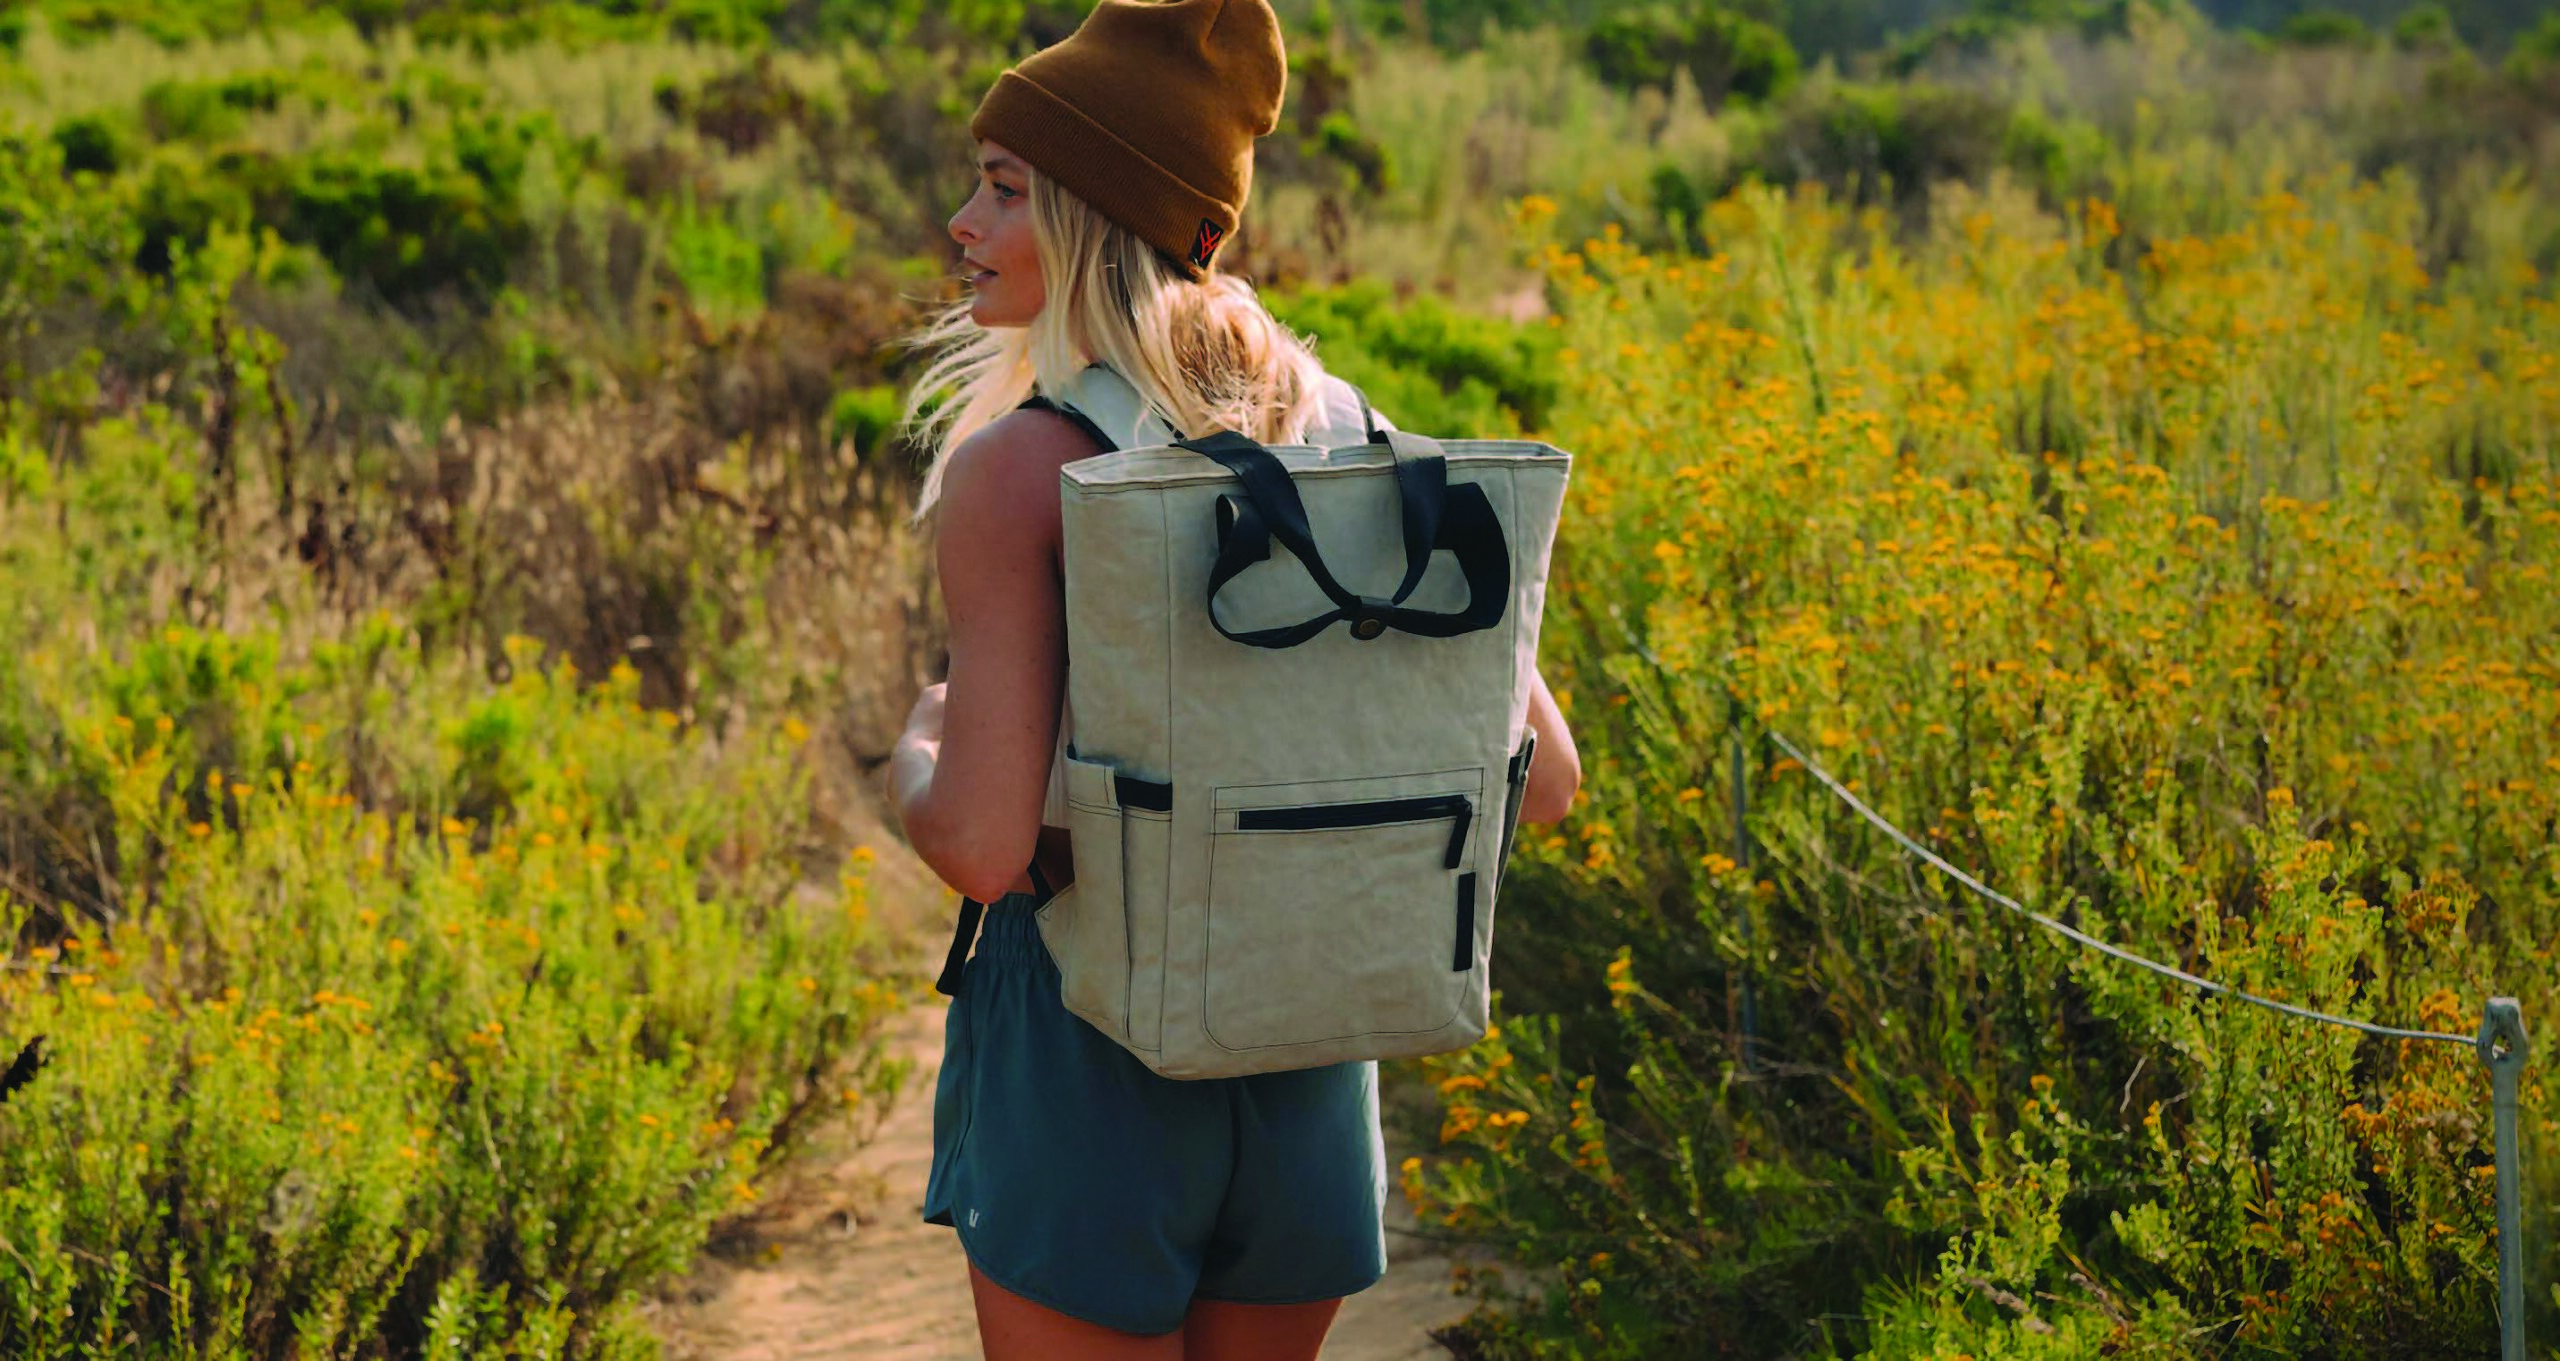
[{"x": 842, "y": 1265}]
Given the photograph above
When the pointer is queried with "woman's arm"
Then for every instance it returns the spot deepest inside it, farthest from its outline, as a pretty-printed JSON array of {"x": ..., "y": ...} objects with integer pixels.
[
  {"x": 968, "y": 777},
  {"x": 1555, "y": 773}
]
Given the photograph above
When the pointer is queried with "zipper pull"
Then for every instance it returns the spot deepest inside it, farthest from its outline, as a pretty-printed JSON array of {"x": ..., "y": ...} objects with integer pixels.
[{"x": 1458, "y": 834}]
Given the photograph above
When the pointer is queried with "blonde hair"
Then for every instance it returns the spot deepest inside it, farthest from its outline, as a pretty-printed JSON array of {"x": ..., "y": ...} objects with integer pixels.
[{"x": 1203, "y": 355}]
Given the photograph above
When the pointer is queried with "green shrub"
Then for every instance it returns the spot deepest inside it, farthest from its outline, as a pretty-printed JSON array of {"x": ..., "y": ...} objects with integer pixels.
[
  {"x": 1339, "y": 137},
  {"x": 404, "y": 232},
  {"x": 183, "y": 197},
  {"x": 1465, "y": 24},
  {"x": 339, "y": 1073},
  {"x": 2425, "y": 28},
  {"x": 94, "y": 144},
  {"x": 400, "y": 233},
  {"x": 863, "y": 416},
  {"x": 2537, "y": 50},
  {"x": 208, "y": 110},
  {"x": 1957, "y": 513},
  {"x": 722, "y": 268},
  {"x": 1727, "y": 54},
  {"x": 2324, "y": 28},
  {"x": 1680, "y": 205},
  {"x": 390, "y": 1007},
  {"x": 2066, "y": 158},
  {"x": 741, "y": 109},
  {"x": 1979, "y": 31},
  {"x": 1428, "y": 366},
  {"x": 1894, "y": 142}
]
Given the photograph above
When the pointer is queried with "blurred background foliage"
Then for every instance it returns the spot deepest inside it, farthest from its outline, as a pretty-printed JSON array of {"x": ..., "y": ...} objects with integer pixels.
[{"x": 454, "y": 516}]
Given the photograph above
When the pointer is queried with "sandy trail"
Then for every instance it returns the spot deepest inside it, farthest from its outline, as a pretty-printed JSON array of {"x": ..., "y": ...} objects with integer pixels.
[{"x": 841, "y": 1265}]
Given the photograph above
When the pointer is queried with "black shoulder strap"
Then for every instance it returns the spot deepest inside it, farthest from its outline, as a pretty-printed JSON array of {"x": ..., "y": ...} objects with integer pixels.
[
  {"x": 963, "y": 936},
  {"x": 1368, "y": 416},
  {"x": 1074, "y": 417},
  {"x": 965, "y": 933}
]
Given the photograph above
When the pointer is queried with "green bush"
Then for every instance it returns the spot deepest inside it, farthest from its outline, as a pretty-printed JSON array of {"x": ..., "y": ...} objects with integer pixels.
[
  {"x": 2324, "y": 28},
  {"x": 1340, "y": 138},
  {"x": 2425, "y": 28},
  {"x": 1979, "y": 31},
  {"x": 182, "y": 197},
  {"x": 741, "y": 109},
  {"x": 1956, "y": 512},
  {"x": 722, "y": 269},
  {"x": 399, "y": 233},
  {"x": 208, "y": 110},
  {"x": 1727, "y": 55},
  {"x": 1679, "y": 204},
  {"x": 404, "y": 232},
  {"x": 1430, "y": 367},
  {"x": 92, "y": 143},
  {"x": 2537, "y": 51},
  {"x": 862, "y": 416},
  {"x": 1872, "y": 142},
  {"x": 372, "y": 1082}
]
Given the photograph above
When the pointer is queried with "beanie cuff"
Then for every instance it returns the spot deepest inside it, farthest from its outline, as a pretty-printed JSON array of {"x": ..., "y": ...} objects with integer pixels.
[{"x": 1090, "y": 161}]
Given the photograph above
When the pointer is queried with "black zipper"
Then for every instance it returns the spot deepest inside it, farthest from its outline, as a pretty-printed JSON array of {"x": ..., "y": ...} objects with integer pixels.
[{"x": 1367, "y": 813}]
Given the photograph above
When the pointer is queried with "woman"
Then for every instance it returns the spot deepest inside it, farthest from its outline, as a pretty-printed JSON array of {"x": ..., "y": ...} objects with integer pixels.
[{"x": 1108, "y": 1212}]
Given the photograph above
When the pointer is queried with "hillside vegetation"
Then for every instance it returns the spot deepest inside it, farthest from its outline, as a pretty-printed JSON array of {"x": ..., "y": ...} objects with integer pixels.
[{"x": 460, "y": 578}]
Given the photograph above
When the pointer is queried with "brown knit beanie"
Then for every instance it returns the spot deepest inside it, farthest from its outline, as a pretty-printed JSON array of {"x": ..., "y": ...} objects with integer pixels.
[{"x": 1148, "y": 112}]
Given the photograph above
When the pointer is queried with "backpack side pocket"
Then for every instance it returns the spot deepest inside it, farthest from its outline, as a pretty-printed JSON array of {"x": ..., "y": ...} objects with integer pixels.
[
  {"x": 1146, "y": 867},
  {"x": 1086, "y": 927}
]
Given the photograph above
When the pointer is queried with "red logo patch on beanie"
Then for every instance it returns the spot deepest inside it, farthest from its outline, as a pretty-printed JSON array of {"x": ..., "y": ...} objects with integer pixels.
[{"x": 1206, "y": 244}]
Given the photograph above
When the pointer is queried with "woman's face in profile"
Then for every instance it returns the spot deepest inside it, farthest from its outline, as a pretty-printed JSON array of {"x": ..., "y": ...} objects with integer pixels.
[{"x": 997, "y": 258}]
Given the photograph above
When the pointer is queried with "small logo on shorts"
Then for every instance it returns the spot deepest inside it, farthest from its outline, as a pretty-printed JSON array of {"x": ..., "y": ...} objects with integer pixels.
[{"x": 973, "y": 1219}]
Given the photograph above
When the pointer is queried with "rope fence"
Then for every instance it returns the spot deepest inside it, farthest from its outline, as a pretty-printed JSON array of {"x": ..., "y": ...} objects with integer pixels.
[{"x": 2500, "y": 1042}]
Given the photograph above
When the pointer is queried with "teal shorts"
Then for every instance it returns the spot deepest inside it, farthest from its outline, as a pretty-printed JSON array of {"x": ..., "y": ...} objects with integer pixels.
[{"x": 1081, "y": 1180}]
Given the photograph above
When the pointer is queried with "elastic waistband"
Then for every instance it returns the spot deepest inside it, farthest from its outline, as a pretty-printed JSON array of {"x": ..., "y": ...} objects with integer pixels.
[{"x": 1011, "y": 935}]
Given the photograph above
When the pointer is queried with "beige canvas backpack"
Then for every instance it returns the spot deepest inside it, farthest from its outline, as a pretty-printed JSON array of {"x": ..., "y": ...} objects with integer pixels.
[{"x": 1299, "y": 680}]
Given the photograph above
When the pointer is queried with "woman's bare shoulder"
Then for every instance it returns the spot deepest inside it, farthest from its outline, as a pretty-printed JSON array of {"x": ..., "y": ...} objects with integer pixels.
[{"x": 1005, "y": 477}]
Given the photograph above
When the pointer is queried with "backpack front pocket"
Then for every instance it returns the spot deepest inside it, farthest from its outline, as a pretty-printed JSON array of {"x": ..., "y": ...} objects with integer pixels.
[{"x": 1333, "y": 905}]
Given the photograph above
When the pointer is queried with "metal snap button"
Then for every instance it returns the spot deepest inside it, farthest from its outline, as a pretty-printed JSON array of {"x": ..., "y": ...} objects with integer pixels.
[{"x": 1368, "y": 628}]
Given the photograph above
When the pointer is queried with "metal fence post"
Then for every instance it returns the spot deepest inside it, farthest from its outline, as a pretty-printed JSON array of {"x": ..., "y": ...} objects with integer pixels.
[{"x": 2502, "y": 1048}]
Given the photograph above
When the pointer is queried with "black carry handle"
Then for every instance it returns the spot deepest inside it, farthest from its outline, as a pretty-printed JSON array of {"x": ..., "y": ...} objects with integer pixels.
[
  {"x": 1436, "y": 515},
  {"x": 1422, "y": 481}
]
